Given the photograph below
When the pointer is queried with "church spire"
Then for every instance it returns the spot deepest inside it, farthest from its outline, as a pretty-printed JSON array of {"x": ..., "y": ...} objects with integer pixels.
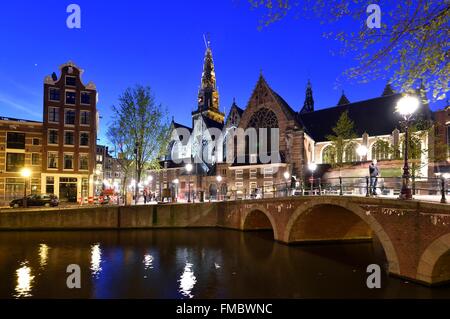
[
  {"x": 208, "y": 96},
  {"x": 308, "y": 105}
]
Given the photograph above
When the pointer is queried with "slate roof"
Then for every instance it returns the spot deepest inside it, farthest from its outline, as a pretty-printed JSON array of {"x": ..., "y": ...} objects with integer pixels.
[
  {"x": 178, "y": 125},
  {"x": 375, "y": 116},
  {"x": 211, "y": 123}
]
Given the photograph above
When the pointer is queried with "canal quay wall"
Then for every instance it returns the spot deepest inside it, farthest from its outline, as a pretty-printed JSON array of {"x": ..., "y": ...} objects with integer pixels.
[{"x": 111, "y": 217}]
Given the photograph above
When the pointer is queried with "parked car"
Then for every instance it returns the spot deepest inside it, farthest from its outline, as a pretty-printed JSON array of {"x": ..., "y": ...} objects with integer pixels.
[{"x": 47, "y": 200}]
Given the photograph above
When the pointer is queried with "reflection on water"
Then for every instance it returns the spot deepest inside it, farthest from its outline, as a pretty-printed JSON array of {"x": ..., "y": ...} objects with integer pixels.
[
  {"x": 43, "y": 255},
  {"x": 96, "y": 259},
  {"x": 24, "y": 281},
  {"x": 187, "y": 281},
  {"x": 191, "y": 263}
]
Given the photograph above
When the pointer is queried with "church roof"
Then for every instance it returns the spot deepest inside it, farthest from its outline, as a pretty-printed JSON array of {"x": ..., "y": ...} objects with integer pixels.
[
  {"x": 211, "y": 123},
  {"x": 178, "y": 125},
  {"x": 374, "y": 116}
]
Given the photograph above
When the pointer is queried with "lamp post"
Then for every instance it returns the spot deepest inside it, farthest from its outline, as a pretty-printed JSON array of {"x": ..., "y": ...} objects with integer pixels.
[
  {"x": 188, "y": 168},
  {"x": 25, "y": 173},
  {"x": 219, "y": 180},
  {"x": 286, "y": 178},
  {"x": 406, "y": 107},
  {"x": 176, "y": 181},
  {"x": 312, "y": 167}
]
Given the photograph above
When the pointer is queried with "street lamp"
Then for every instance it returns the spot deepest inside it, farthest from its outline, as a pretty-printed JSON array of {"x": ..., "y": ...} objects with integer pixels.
[
  {"x": 362, "y": 151},
  {"x": 286, "y": 177},
  {"x": 312, "y": 167},
  {"x": 176, "y": 181},
  {"x": 25, "y": 173},
  {"x": 219, "y": 180},
  {"x": 188, "y": 168},
  {"x": 406, "y": 107}
]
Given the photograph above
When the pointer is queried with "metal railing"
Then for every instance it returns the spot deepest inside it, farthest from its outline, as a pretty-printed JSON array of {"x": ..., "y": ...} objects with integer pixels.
[{"x": 422, "y": 188}]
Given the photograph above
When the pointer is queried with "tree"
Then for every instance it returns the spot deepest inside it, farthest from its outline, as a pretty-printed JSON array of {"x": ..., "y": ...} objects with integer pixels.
[
  {"x": 344, "y": 133},
  {"x": 412, "y": 41},
  {"x": 139, "y": 130}
]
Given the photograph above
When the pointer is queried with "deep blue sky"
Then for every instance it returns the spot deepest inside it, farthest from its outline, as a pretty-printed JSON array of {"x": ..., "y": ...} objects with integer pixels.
[{"x": 160, "y": 43}]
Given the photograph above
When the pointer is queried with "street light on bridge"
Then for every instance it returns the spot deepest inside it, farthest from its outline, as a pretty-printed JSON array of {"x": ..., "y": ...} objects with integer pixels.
[
  {"x": 189, "y": 168},
  {"x": 286, "y": 178},
  {"x": 312, "y": 167},
  {"x": 362, "y": 151},
  {"x": 219, "y": 180},
  {"x": 406, "y": 107}
]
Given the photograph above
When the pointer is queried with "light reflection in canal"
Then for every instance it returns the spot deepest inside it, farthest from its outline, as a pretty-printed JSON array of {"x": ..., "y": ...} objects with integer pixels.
[
  {"x": 187, "y": 281},
  {"x": 24, "y": 281},
  {"x": 43, "y": 255},
  {"x": 96, "y": 259}
]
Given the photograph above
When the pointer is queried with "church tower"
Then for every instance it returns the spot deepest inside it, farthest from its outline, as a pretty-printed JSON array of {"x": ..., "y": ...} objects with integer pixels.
[
  {"x": 308, "y": 106},
  {"x": 208, "y": 96}
]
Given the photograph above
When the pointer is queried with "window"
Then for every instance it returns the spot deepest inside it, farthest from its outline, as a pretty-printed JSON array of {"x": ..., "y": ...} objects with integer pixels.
[
  {"x": 53, "y": 114},
  {"x": 252, "y": 186},
  {"x": 52, "y": 160},
  {"x": 84, "y": 162},
  {"x": 54, "y": 94},
  {"x": 70, "y": 117},
  {"x": 85, "y": 118},
  {"x": 15, "y": 140},
  {"x": 253, "y": 173},
  {"x": 52, "y": 137},
  {"x": 50, "y": 185},
  {"x": 85, "y": 98},
  {"x": 224, "y": 172},
  {"x": 268, "y": 172},
  {"x": 70, "y": 97},
  {"x": 36, "y": 141},
  {"x": 35, "y": 159},
  {"x": 239, "y": 174},
  {"x": 328, "y": 155},
  {"x": 380, "y": 150},
  {"x": 99, "y": 158},
  {"x": 14, "y": 162},
  {"x": 69, "y": 138},
  {"x": 71, "y": 80},
  {"x": 68, "y": 161},
  {"x": 116, "y": 174},
  {"x": 84, "y": 139},
  {"x": 350, "y": 153}
]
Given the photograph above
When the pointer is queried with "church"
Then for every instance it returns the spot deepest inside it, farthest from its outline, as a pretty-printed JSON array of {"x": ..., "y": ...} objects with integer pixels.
[{"x": 301, "y": 139}]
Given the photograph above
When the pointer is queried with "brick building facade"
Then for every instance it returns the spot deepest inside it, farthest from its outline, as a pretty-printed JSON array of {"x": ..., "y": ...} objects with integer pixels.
[{"x": 60, "y": 151}]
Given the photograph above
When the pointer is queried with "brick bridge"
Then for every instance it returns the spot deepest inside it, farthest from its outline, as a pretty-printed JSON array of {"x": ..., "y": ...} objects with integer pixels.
[{"x": 415, "y": 235}]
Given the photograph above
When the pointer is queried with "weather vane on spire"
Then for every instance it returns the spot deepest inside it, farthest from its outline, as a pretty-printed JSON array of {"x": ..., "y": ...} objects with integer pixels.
[{"x": 207, "y": 40}]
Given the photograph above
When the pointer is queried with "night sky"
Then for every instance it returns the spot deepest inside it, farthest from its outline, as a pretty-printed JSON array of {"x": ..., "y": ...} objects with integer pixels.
[{"x": 160, "y": 44}]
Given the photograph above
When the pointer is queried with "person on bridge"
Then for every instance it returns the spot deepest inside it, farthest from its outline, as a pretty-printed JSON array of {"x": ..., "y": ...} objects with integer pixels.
[{"x": 374, "y": 172}]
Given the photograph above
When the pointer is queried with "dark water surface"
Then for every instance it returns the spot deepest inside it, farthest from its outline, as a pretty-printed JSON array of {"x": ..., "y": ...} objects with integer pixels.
[{"x": 194, "y": 263}]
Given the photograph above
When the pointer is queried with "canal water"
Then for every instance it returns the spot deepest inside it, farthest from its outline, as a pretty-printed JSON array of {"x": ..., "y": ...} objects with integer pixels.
[{"x": 191, "y": 263}]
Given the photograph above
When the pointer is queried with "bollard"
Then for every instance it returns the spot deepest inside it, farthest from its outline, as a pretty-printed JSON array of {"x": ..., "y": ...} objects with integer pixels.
[
  {"x": 443, "y": 199},
  {"x": 367, "y": 187},
  {"x": 341, "y": 192}
]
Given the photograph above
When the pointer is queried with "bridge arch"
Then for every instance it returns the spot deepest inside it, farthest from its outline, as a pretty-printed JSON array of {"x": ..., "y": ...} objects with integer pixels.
[
  {"x": 257, "y": 214},
  {"x": 434, "y": 264},
  {"x": 351, "y": 210}
]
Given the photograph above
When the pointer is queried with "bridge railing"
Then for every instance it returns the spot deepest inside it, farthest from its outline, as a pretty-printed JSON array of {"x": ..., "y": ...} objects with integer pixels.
[{"x": 422, "y": 188}]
